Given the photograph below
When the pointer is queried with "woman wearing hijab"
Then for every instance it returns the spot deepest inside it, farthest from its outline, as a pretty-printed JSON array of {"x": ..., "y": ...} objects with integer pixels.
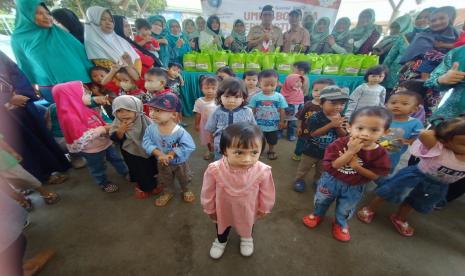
[
  {"x": 212, "y": 37},
  {"x": 178, "y": 44},
  {"x": 340, "y": 40},
  {"x": 398, "y": 27},
  {"x": 237, "y": 41},
  {"x": 319, "y": 35},
  {"x": 200, "y": 23},
  {"x": 103, "y": 46},
  {"x": 365, "y": 33},
  {"x": 421, "y": 23},
  {"x": 23, "y": 127},
  {"x": 46, "y": 53},
  {"x": 159, "y": 32},
  {"x": 308, "y": 22},
  {"x": 192, "y": 34},
  {"x": 69, "y": 21}
]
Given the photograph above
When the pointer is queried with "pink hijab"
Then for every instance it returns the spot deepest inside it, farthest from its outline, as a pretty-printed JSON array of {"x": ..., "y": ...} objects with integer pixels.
[
  {"x": 76, "y": 119},
  {"x": 288, "y": 90}
]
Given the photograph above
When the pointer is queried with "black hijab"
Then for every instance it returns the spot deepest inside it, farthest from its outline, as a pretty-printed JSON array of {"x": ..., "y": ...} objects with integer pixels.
[
  {"x": 70, "y": 21},
  {"x": 119, "y": 30}
]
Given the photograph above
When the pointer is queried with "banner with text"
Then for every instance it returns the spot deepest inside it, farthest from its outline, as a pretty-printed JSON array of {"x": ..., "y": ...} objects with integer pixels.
[{"x": 249, "y": 11}]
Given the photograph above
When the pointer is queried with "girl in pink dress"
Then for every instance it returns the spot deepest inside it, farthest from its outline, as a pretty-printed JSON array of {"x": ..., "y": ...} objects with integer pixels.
[
  {"x": 238, "y": 189},
  {"x": 203, "y": 107}
]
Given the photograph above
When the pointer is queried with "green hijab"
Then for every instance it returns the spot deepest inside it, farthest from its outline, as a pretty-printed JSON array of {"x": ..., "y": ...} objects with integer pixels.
[
  {"x": 47, "y": 56},
  {"x": 193, "y": 34},
  {"x": 238, "y": 37},
  {"x": 197, "y": 23},
  {"x": 316, "y": 37},
  {"x": 158, "y": 18},
  {"x": 308, "y": 22},
  {"x": 364, "y": 32},
  {"x": 341, "y": 37},
  {"x": 405, "y": 25}
]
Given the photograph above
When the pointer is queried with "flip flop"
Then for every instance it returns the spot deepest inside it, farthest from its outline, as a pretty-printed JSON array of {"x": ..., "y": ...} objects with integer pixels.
[
  {"x": 402, "y": 226},
  {"x": 188, "y": 197}
]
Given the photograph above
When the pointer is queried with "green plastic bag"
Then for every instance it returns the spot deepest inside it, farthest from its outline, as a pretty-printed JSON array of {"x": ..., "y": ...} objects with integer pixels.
[
  {"x": 237, "y": 62},
  {"x": 203, "y": 62},
  {"x": 316, "y": 64},
  {"x": 189, "y": 60},
  {"x": 252, "y": 61},
  {"x": 284, "y": 63},
  {"x": 332, "y": 64},
  {"x": 368, "y": 62},
  {"x": 351, "y": 65},
  {"x": 219, "y": 59},
  {"x": 267, "y": 61}
]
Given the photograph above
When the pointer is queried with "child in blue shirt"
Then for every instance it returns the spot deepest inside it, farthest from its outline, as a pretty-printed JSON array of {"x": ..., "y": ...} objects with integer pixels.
[
  {"x": 171, "y": 145},
  {"x": 268, "y": 107}
]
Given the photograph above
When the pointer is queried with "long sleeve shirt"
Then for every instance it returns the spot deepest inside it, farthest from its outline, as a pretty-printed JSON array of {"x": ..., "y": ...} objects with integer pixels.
[
  {"x": 365, "y": 95},
  {"x": 179, "y": 141}
]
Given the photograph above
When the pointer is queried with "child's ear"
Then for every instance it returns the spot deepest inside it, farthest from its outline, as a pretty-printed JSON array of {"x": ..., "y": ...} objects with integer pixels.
[{"x": 416, "y": 109}]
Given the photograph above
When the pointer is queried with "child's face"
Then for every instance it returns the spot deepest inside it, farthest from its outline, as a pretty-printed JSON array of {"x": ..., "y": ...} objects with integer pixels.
[
  {"x": 125, "y": 116},
  {"x": 232, "y": 102},
  {"x": 268, "y": 85},
  {"x": 174, "y": 72},
  {"x": 317, "y": 89},
  {"x": 368, "y": 128},
  {"x": 402, "y": 105},
  {"x": 296, "y": 70},
  {"x": 243, "y": 158},
  {"x": 456, "y": 144},
  {"x": 161, "y": 116},
  {"x": 331, "y": 108},
  {"x": 375, "y": 79},
  {"x": 97, "y": 76},
  {"x": 223, "y": 76},
  {"x": 251, "y": 81},
  {"x": 125, "y": 82},
  {"x": 209, "y": 90},
  {"x": 154, "y": 83},
  {"x": 145, "y": 32}
]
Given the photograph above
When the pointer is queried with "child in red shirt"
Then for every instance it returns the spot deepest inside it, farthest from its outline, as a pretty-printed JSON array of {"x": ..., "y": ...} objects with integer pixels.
[{"x": 144, "y": 36}]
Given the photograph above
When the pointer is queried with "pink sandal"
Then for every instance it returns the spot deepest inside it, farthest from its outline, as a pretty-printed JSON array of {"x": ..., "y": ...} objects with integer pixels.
[
  {"x": 365, "y": 215},
  {"x": 402, "y": 226}
]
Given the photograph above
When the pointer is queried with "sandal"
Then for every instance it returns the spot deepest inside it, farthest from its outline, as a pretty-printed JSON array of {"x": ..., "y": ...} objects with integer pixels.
[
  {"x": 26, "y": 204},
  {"x": 50, "y": 198},
  {"x": 365, "y": 215},
  {"x": 163, "y": 200},
  {"x": 188, "y": 197},
  {"x": 110, "y": 188},
  {"x": 402, "y": 226},
  {"x": 271, "y": 155},
  {"x": 312, "y": 221},
  {"x": 58, "y": 178}
]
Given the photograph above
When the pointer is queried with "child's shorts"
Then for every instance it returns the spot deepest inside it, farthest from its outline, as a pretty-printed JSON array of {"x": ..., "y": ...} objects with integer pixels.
[
  {"x": 412, "y": 186},
  {"x": 271, "y": 137},
  {"x": 291, "y": 111}
]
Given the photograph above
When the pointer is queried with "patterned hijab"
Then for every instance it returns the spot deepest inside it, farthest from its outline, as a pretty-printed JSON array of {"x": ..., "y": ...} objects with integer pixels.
[{"x": 238, "y": 37}]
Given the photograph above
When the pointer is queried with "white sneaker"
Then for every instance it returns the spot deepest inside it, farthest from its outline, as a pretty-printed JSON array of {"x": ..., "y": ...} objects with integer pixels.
[
  {"x": 217, "y": 249},
  {"x": 246, "y": 247}
]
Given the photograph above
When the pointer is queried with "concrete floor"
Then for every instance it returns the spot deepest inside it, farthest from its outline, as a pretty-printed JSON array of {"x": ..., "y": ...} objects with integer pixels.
[{"x": 114, "y": 234}]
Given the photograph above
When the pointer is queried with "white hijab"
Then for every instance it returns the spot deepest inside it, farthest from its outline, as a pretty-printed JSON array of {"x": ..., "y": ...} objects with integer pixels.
[{"x": 100, "y": 45}]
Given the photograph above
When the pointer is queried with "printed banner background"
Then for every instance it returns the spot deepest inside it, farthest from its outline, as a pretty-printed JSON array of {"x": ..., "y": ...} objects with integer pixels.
[{"x": 249, "y": 11}]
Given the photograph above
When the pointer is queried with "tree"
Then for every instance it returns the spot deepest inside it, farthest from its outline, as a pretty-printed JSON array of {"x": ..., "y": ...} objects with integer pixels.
[
  {"x": 396, "y": 6},
  {"x": 7, "y": 6}
]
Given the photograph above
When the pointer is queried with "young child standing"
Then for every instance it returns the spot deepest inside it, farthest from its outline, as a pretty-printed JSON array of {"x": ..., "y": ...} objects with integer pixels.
[
  {"x": 144, "y": 36},
  {"x": 251, "y": 80},
  {"x": 403, "y": 129},
  {"x": 203, "y": 107},
  {"x": 128, "y": 130},
  {"x": 231, "y": 98},
  {"x": 307, "y": 111},
  {"x": 442, "y": 161},
  {"x": 371, "y": 93},
  {"x": 302, "y": 68},
  {"x": 86, "y": 132},
  {"x": 171, "y": 145},
  {"x": 268, "y": 107},
  {"x": 321, "y": 129},
  {"x": 292, "y": 92},
  {"x": 238, "y": 189},
  {"x": 225, "y": 72},
  {"x": 175, "y": 82},
  {"x": 350, "y": 163}
]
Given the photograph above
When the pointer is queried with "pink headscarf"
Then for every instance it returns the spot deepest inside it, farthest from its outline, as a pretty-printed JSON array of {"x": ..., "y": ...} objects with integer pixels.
[
  {"x": 76, "y": 119},
  {"x": 288, "y": 90}
]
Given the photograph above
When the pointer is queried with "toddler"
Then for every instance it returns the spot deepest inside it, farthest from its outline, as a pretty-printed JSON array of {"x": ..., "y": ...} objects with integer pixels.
[
  {"x": 292, "y": 92},
  {"x": 302, "y": 68},
  {"x": 144, "y": 36},
  {"x": 251, "y": 80},
  {"x": 225, "y": 73}
]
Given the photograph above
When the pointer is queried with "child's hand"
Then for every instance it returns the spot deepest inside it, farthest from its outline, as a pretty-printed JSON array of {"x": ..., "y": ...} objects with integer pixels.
[
  {"x": 337, "y": 121},
  {"x": 19, "y": 100},
  {"x": 101, "y": 100},
  {"x": 354, "y": 145},
  {"x": 108, "y": 127},
  {"x": 179, "y": 43},
  {"x": 123, "y": 128},
  {"x": 127, "y": 59},
  {"x": 354, "y": 162},
  {"x": 115, "y": 67},
  {"x": 213, "y": 216},
  {"x": 163, "y": 159},
  {"x": 282, "y": 125},
  {"x": 453, "y": 76},
  {"x": 261, "y": 214}
]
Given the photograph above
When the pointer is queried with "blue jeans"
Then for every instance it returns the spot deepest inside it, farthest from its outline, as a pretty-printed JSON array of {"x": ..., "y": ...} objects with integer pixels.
[
  {"x": 97, "y": 165},
  {"x": 299, "y": 147},
  {"x": 347, "y": 197},
  {"x": 291, "y": 129}
]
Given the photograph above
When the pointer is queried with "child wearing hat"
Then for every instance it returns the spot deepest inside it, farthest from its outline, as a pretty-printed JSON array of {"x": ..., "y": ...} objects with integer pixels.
[
  {"x": 320, "y": 130},
  {"x": 171, "y": 145}
]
